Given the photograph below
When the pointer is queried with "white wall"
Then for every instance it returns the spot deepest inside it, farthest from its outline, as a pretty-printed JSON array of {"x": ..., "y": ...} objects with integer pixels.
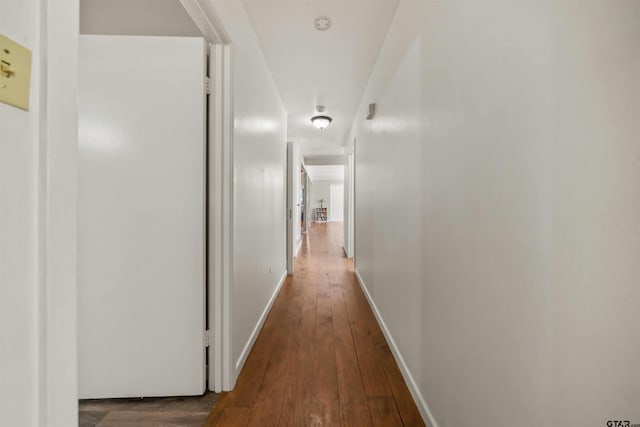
[
  {"x": 19, "y": 241},
  {"x": 37, "y": 222},
  {"x": 136, "y": 17},
  {"x": 514, "y": 254},
  {"x": 260, "y": 179},
  {"x": 336, "y": 202},
  {"x": 320, "y": 190}
]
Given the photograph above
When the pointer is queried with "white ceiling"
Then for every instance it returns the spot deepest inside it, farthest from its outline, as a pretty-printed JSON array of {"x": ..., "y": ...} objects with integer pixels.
[
  {"x": 312, "y": 67},
  {"x": 321, "y": 172}
]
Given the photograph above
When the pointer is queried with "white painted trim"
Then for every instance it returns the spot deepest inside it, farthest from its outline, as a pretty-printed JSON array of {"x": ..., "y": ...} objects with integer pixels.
[
  {"x": 229, "y": 375},
  {"x": 291, "y": 199},
  {"x": 425, "y": 412},
  {"x": 221, "y": 172},
  {"x": 256, "y": 330},
  {"x": 299, "y": 246},
  {"x": 349, "y": 206},
  {"x": 57, "y": 213},
  {"x": 216, "y": 120},
  {"x": 207, "y": 21}
]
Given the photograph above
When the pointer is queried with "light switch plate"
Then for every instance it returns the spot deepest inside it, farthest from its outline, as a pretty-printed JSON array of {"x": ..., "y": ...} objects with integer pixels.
[{"x": 14, "y": 88}]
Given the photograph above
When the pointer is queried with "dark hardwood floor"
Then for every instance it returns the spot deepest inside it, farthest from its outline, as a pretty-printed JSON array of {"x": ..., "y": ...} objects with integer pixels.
[
  {"x": 321, "y": 358},
  {"x": 148, "y": 412}
]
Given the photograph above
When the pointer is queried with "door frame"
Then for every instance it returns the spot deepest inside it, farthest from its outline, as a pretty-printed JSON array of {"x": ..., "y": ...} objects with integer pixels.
[
  {"x": 57, "y": 222},
  {"x": 222, "y": 375},
  {"x": 305, "y": 201},
  {"x": 291, "y": 200},
  {"x": 56, "y": 67},
  {"x": 350, "y": 205}
]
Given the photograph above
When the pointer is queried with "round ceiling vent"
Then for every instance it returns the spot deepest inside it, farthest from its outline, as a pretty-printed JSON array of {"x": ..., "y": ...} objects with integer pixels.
[{"x": 322, "y": 23}]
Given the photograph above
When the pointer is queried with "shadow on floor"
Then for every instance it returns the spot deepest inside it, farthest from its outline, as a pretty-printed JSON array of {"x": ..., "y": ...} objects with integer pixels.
[{"x": 189, "y": 411}]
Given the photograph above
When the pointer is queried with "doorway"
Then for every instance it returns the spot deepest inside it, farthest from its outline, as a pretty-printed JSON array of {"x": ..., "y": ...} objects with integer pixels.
[
  {"x": 203, "y": 173},
  {"x": 336, "y": 202},
  {"x": 128, "y": 264},
  {"x": 303, "y": 200}
]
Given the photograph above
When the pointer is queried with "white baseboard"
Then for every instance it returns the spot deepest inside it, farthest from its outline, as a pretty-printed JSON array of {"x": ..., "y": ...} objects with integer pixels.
[
  {"x": 252, "y": 338},
  {"x": 295, "y": 254},
  {"x": 425, "y": 412}
]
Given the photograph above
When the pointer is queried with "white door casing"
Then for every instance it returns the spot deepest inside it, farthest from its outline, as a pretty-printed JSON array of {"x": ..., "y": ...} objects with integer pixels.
[
  {"x": 349, "y": 221},
  {"x": 291, "y": 202}
]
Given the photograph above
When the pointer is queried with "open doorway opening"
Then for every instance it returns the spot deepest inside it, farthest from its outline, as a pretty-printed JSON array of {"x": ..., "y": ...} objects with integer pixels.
[
  {"x": 336, "y": 202},
  {"x": 138, "y": 286},
  {"x": 326, "y": 193}
]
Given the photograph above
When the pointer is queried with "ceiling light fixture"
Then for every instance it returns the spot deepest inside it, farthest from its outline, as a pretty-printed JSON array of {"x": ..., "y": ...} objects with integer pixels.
[{"x": 321, "y": 121}]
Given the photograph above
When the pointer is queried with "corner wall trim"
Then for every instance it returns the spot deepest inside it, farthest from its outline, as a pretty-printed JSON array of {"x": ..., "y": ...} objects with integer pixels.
[
  {"x": 207, "y": 21},
  {"x": 295, "y": 254},
  {"x": 425, "y": 412},
  {"x": 252, "y": 338}
]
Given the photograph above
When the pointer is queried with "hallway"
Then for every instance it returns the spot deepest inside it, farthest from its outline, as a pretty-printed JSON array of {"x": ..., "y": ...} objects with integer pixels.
[{"x": 321, "y": 358}]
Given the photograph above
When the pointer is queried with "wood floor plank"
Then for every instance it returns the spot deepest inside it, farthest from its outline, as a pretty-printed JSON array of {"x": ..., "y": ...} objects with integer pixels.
[
  {"x": 271, "y": 393},
  {"x": 404, "y": 401},
  {"x": 350, "y": 386},
  {"x": 151, "y": 404},
  {"x": 150, "y": 411},
  {"x": 218, "y": 410},
  {"x": 248, "y": 385},
  {"x": 384, "y": 412},
  {"x": 324, "y": 408},
  {"x": 153, "y": 419},
  {"x": 355, "y": 415},
  {"x": 298, "y": 391},
  {"x": 235, "y": 417},
  {"x": 321, "y": 358},
  {"x": 374, "y": 380}
]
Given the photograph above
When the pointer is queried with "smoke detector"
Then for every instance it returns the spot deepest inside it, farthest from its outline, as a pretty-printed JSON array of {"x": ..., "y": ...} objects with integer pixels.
[{"x": 322, "y": 23}]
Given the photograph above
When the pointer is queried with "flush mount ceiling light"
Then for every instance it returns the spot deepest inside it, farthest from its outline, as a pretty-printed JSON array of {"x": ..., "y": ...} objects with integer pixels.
[
  {"x": 320, "y": 121},
  {"x": 322, "y": 23}
]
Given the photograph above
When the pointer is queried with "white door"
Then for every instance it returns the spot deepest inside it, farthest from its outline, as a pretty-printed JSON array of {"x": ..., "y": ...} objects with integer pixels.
[
  {"x": 141, "y": 281},
  {"x": 336, "y": 202}
]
